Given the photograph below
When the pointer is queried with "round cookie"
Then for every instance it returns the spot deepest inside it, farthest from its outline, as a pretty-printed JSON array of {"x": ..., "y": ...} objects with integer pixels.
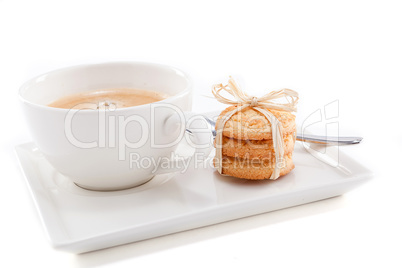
[
  {"x": 250, "y": 124},
  {"x": 254, "y": 148},
  {"x": 253, "y": 169}
]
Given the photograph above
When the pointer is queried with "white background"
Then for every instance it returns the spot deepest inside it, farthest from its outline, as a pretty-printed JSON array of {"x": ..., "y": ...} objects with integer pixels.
[{"x": 346, "y": 51}]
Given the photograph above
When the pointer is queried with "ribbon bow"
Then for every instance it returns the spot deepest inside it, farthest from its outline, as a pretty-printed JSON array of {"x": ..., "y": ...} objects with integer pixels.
[{"x": 262, "y": 104}]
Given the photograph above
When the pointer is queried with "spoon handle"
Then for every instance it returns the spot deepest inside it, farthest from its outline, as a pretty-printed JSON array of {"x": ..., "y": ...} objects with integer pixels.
[{"x": 330, "y": 140}]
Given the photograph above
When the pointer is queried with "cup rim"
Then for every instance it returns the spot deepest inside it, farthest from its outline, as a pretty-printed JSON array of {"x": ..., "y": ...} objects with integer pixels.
[{"x": 26, "y": 84}]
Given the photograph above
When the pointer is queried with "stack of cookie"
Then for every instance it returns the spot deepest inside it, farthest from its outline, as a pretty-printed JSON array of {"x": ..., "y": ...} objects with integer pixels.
[{"x": 247, "y": 146}]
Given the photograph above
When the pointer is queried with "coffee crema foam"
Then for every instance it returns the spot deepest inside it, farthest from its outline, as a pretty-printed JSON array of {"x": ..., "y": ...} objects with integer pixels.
[{"x": 108, "y": 98}]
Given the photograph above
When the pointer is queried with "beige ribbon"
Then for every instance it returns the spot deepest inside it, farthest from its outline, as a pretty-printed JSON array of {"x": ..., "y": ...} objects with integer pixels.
[{"x": 262, "y": 104}]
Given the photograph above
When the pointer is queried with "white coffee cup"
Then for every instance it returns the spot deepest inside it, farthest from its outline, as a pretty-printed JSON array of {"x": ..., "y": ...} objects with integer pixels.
[{"x": 94, "y": 148}]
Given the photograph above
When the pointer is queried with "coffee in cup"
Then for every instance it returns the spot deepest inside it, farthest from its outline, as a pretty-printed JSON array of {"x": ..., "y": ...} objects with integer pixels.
[{"x": 115, "y": 97}]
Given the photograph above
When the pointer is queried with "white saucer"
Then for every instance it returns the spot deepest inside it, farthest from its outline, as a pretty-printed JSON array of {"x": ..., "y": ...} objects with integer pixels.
[{"x": 78, "y": 220}]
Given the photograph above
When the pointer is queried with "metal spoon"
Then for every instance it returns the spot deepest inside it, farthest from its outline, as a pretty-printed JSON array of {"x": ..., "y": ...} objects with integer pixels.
[{"x": 306, "y": 137}]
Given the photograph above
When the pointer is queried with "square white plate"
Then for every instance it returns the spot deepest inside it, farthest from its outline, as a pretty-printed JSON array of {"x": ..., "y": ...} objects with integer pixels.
[{"x": 78, "y": 220}]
